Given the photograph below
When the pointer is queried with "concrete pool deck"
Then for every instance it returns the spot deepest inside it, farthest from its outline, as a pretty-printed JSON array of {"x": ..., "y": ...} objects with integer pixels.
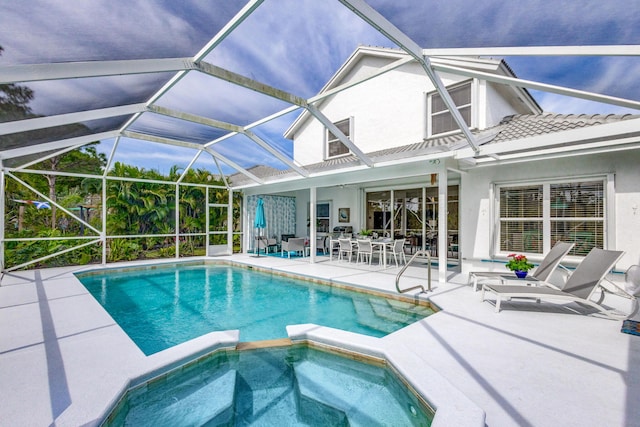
[{"x": 63, "y": 360}]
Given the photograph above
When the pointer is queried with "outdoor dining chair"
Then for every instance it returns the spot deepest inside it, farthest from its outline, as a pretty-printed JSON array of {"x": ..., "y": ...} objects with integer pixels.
[
  {"x": 366, "y": 251},
  {"x": 345, "y": 248},
  {"x": 397, "y": 250}
]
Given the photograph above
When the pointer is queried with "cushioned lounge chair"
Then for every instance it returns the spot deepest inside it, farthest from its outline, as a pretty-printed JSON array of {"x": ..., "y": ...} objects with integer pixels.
[
  {"x": 581, "y": 286},
  {"x": 540, "y": 274}
]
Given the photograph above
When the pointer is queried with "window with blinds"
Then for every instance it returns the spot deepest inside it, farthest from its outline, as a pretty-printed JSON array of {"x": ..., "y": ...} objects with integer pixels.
[
  {"x": 335, "y": 148},
  {"x": 576, "y": 213},
  {"x": 441, "y": 119},
  {"x": 521, "y": 222}
]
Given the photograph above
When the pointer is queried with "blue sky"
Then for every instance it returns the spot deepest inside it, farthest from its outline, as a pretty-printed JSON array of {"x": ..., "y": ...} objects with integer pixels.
[{"x": 297, "y": 45}]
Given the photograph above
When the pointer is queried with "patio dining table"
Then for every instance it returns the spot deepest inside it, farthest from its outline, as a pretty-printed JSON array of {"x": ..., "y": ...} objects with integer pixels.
[{"x": 383, "y": 244}]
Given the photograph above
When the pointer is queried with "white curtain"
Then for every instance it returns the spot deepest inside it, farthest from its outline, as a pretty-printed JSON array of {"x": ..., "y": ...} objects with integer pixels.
[{"x": 280, "y": 213}]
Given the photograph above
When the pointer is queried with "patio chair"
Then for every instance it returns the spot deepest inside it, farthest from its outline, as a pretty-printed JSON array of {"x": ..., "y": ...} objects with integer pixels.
[
  {"x": 262, "y": 243},
  {"x": 345, "y": 248},
  {"x": 365, "y": 251},
  {"x": 581, "y": 286},
  {"x": 632, "y": 280},
  {"x": 294, "y": 244},
  {"x": 397, "y": 250},
  {"x": 540, "y": 274}
]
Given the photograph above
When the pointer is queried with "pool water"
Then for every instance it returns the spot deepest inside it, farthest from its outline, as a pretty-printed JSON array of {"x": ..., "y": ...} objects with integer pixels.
[
  {"x": 287, "y": 386},
  {"x": 164, "y": 306}
]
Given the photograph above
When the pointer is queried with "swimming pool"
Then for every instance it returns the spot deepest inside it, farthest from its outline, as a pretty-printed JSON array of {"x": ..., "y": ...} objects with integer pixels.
[
  {"x": 296, "y": 385},
  {"x": 166, "y": 305}
]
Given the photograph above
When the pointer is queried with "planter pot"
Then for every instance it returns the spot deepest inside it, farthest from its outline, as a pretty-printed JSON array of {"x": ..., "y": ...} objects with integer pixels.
[{"x": 521, "y": 274}]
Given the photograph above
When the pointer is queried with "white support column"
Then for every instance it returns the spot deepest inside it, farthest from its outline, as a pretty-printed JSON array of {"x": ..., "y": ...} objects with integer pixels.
[
  {"x": 230, "y": 223},
  {"x": 312, "y": 223},
  {"x": 2, "y": 210},
  {"x": 104, "y": 219},
  {"x": 443, "y": 233},
  {"x": 177, "y": 220},
  {"x": 245, "y": 226},
  {"x": 206, "y": 216},
  {"x": 423, "y": 239}
]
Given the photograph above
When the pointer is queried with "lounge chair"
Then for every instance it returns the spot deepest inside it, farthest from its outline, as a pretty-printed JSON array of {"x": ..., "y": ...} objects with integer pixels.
[
  {"x": 540, "y": 274},
  {"x": 580, "y": 287}
]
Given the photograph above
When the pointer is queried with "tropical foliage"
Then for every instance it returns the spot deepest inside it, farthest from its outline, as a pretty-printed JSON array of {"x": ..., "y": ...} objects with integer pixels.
[{"x": 141, "y": 214}]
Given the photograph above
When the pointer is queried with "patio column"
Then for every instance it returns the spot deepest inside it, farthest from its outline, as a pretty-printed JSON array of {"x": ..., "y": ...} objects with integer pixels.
[
  {"x": 229, "y": 223},
  {"x": 2, "y": 208},
  {"x": 312, "y": 224},
  {"x": 443, "y": 232}
]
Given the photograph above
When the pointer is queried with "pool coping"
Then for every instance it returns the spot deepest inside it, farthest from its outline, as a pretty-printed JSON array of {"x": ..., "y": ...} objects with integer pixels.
[
  {"x": 62, "y": 360},
  {"x": 450, "y": 405}
]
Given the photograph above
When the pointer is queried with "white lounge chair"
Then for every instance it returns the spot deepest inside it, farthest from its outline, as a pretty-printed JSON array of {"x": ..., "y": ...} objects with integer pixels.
[
  {"x": 540, "y": 274},
  {"x": 580, "y": 287}
]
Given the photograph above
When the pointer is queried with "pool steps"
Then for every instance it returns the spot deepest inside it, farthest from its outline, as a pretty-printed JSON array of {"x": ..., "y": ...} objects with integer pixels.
[
  {"x": 216, "y": 399},
  {"x": 337, "y": 396}
]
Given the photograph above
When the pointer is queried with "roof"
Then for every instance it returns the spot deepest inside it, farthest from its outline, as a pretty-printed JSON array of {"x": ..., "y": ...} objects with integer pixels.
[
  {"x": 511, "y": 128},
  {"x": 389, "y": 56},
  {"x": 521, "y": 126}
]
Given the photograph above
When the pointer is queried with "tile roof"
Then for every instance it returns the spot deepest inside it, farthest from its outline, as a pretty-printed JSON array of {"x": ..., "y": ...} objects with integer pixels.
[
  {"x": 511, "y": 128},
  {"x": 522, "y": 126}
]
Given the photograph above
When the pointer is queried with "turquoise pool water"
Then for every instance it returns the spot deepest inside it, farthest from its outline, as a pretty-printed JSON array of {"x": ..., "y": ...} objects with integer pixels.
[
  {"x": 292, "y": 386},
  {"x": 164, "y": 306}
]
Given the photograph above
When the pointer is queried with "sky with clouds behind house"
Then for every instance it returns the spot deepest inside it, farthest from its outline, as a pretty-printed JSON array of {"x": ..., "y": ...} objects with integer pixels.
[{"x": 295, "y": 45}]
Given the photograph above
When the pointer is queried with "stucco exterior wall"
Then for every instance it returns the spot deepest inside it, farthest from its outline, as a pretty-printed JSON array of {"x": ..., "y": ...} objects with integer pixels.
[
  {"x": 391, "y": 110},
  {"x": 387, "y": 111},
  {"x": 475, "y": 213}
]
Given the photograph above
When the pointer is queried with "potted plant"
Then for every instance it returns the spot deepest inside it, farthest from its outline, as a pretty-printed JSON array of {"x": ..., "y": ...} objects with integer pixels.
[
  {"x": 365, "y": 233},
  {"x": 519, "y": 264}
]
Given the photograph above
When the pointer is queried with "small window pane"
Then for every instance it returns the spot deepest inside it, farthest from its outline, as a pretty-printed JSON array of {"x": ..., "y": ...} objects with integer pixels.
[
  {"x": 334, "y": 146},
  {"x": 521, "y": 236},
  {"x": 441, "y": 119},
  {"x": 337, "y": 148},
  {"x": 461, "y": 95},
  {"x": 521, "y": 202},
  {"x": 577, "y": 200},
  {"x": 437, "y": 104},
  {"x": 585, "y": 234}
]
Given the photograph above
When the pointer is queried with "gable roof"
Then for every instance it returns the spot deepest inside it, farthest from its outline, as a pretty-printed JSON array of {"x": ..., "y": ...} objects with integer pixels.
[{"x": 495, "y": 66}]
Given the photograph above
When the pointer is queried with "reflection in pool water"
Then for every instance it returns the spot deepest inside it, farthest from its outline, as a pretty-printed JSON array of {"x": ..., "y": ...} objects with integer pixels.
[{"x": 163, "y": 306}]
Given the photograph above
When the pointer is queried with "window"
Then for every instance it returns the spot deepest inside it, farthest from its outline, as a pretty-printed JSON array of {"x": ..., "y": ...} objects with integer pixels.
[
  {"x": 441, "y": 120},
  {"x": 335, "y": 148},
  {"x": 323, "y": 217},
  {"x": 531, "y": 215}
]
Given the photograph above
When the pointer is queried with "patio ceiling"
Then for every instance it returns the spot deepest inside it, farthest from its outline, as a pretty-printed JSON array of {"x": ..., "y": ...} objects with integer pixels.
[{"x": 216, "y": 85}]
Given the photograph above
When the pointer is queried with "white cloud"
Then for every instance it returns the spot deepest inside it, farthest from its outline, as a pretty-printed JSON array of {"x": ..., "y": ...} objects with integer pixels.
[{"x": 296, "y": 45}]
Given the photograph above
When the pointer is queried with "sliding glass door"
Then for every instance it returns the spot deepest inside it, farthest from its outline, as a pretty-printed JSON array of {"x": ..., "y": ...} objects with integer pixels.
[{"x": 412, "y": 213}]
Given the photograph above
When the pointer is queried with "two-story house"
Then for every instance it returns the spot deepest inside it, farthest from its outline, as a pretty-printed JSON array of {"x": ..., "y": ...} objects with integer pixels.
[{"x": 393, "y": 160}]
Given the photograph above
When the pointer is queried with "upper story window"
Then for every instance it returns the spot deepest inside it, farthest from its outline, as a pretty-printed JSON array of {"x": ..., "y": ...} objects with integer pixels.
[
  {"x": 441, "y": 120},
  {"x": 335, "y": 148},
  {"x": 535, "y": 216}
]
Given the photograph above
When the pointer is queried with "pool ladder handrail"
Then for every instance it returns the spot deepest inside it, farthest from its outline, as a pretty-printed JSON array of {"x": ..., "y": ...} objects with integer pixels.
[{"x": 404, "y": 268}]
